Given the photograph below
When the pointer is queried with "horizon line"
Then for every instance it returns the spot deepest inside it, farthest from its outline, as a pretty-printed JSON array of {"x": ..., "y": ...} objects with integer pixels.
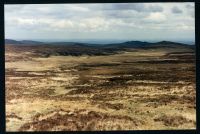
[{"x": 111, "y": 41}]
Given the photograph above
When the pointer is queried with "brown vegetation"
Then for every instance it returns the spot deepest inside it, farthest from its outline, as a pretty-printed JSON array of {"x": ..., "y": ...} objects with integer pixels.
[{"x": 135, "y": 89}]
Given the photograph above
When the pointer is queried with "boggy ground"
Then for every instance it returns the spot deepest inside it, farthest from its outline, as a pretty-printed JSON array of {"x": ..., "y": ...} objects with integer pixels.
[{"x": 138, "y": 89}]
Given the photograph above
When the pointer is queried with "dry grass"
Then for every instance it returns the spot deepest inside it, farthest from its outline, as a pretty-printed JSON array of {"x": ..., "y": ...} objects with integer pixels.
[{"x": 135, "y": 90}]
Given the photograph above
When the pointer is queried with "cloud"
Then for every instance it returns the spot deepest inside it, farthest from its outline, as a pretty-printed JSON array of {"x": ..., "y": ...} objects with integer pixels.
[
  {"x": 84, "y": 25},
  {"x": 135, "y": 7},
  {"x": 111, "y": 20},
  {"x": 138, "y": 7},
  {"x": 155, "y": 18},
  {"x": 155, "y": 8},
  {"x": 13, "y": 8},
  {"x": 77, "y": 8},
  {"x": 190, "y": 6},
  {"x": 176, "y": 10},
  {"x": 93, "y": 24},
  {"x": 190, "y": 9},
  {"x": 184, "y": 26}
]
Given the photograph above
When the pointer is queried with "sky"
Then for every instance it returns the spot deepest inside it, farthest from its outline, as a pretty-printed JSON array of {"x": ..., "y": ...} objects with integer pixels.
[{"x": 109, "y": 21}]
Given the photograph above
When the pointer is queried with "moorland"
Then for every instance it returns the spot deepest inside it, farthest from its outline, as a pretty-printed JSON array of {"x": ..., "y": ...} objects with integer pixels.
[{"x": 67, "y": 86}]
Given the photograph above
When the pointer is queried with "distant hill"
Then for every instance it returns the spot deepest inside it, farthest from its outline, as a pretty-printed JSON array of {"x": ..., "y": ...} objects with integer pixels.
[
  {"x": 25, "y": 42},
  {"x": 9, "y": 41},
  {"x": 128, "y": 44},
  {"x": 76, "y": 49},
  {"x": 169, "y": 44},
  {"x": 31, "y": 42}
]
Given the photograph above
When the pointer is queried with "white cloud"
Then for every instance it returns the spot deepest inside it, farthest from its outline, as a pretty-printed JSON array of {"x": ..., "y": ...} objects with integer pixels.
[
  {"x": 156, "y": 17},
  {"x": 62, "y": 24},
  {"x": 104, "y": 20},
  {"x": 183, "y": 26},
  {"x": 77, "y": 8}
]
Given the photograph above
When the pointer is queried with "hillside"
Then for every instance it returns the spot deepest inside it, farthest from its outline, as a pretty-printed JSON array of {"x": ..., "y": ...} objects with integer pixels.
[{"x": 76, "y": 49}]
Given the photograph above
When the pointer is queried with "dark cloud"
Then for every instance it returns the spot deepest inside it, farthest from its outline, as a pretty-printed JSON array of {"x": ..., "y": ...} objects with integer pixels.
[
  {"x": 155, "y": 8},
  {"x": 176, "y": 10},
  {"x": 118, "y": 15},
  {"x": 123, "y": 6},
  {"x": 138, "y": 7},
  {"x": 189, "y": 6}
]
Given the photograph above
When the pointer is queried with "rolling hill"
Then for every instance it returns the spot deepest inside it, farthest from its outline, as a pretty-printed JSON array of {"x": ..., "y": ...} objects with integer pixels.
[{"x": 77, "y": 49}]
